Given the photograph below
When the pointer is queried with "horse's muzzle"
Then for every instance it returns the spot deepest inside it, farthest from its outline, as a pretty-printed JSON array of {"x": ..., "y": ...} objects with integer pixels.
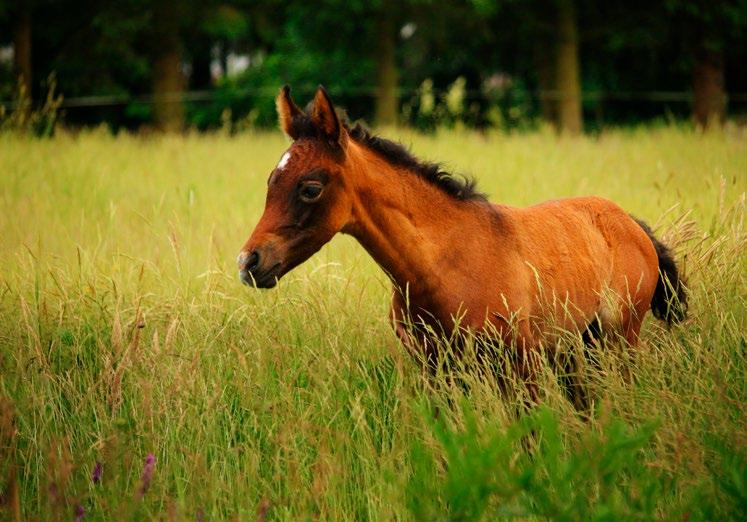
[{"x": 253, "y": 269}]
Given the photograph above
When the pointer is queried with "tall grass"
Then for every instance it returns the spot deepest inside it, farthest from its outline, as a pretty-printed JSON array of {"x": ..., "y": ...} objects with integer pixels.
[{"x": 139, "y": 379}]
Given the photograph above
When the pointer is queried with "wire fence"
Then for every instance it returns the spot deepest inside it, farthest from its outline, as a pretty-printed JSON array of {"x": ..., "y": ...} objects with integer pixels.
[{"x": 206, "y": 96}]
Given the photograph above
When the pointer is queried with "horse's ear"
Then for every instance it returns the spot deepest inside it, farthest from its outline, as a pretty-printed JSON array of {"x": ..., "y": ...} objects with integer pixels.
[
  {"x": 287, "y": 110},
  {"x": 324, "y": 116}
]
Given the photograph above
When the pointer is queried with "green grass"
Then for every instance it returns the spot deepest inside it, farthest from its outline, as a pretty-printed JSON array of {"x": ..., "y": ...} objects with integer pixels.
[{"x": 124, "y": 331}]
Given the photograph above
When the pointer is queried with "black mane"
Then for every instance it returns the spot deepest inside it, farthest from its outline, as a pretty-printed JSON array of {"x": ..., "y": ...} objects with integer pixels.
[{"x": 459, "y": 187}]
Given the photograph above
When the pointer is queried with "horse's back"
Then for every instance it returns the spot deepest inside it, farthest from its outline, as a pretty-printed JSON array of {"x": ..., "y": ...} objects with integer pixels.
[
  {"x": 590, "y": 219},
  {"x": 588, "y": 256}
]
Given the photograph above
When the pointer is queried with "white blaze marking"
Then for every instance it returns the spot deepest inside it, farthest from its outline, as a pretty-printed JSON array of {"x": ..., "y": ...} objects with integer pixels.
[{"x": 283, "y": 161}]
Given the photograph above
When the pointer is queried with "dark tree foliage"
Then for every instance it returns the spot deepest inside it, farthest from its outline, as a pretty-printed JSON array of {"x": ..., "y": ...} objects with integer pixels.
[{"x": 636, "y": 60}]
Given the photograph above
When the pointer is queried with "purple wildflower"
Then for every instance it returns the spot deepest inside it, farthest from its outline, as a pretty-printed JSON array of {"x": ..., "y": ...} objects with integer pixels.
[
  {"x": 96, "y": 475},
  {"x": 150, "y": 464},
  {"x": 80, "y": 512}
]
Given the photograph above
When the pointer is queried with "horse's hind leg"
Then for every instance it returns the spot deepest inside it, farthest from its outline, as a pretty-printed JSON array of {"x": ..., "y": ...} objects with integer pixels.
[
  {"x": 569, "y": 375},
  {"x": 631, "y": 330},
  {"x": 592, "y": 336},
  {"x": 568, "y": 365}
]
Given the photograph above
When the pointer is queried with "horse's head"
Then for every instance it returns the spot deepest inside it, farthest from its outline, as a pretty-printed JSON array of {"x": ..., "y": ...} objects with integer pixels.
[{"x": 307, "y": 201}]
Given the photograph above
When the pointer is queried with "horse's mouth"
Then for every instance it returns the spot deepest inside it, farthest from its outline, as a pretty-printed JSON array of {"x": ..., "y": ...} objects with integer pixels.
[{"x": 264, "y": 279}]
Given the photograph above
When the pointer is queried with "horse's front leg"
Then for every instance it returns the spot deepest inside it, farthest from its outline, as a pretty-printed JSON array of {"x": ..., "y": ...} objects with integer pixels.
[
  {"x": 526, "y": 364},
  {"x": 417, "y": 346},
  {"x": 398, "y": 319},
  {"x": 524, "y": 352}
]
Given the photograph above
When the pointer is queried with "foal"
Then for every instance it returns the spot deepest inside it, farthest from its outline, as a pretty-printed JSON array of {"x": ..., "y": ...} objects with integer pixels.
[{"x": 520, "y": 274}]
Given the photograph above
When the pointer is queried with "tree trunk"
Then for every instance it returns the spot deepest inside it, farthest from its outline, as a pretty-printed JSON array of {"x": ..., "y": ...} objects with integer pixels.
[
  {"x": 567, "y": 75},
  {"x": 22, "y": 49},
  {"x": 709, "y": 97},
  {"x": 386, "y": 67},
  {"x": 543, "y": 64},
  {"x": 168, "y": 82}
]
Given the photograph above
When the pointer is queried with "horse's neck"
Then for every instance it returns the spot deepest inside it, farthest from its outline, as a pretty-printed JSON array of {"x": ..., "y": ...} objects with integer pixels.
[{"x": 411, "y": 228}]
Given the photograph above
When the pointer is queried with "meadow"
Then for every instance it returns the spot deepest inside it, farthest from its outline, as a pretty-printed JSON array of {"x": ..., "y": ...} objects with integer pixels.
[{"x": 139, "y": 379}]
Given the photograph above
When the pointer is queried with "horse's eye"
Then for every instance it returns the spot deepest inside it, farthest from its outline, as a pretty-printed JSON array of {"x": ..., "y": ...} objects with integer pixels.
[{"x": 310, "y": 191}]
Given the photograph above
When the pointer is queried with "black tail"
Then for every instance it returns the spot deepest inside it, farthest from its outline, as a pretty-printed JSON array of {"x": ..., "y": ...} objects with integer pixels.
[{"x": 670, "y": 298}]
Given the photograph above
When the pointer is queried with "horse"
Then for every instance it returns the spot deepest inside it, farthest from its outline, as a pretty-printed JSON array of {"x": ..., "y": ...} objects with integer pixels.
[{"x": 457, "y": 262}]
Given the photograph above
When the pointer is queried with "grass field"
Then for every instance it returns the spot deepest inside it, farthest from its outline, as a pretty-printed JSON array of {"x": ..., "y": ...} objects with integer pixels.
[{"x": 124, "y": 333}]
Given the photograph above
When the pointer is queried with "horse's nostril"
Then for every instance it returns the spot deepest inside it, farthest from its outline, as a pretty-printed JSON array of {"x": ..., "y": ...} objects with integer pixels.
[{"x": 253, "y": 261}]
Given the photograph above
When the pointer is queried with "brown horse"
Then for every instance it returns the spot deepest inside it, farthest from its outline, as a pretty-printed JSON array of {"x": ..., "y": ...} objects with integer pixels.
[{"x": 456, "y": 260}]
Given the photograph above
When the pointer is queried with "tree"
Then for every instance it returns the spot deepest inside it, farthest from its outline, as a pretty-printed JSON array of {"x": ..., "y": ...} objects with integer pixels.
[
  {"x": 227, "y": 25},
  {"x": 168, "y": 81},
  {"x": 22, "y": 47},
  {"x": 708, "y": 30},
  {"x": 709, "y": 94},
  {"x": 547, "y": 32},
  {"x": 505, "y": 51},
  {"x": 567, "y": 70},
  {"x": 368, "y": 32},
  {"x": 387, "y": 105},
  {"x": 706, "y": 27}
]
